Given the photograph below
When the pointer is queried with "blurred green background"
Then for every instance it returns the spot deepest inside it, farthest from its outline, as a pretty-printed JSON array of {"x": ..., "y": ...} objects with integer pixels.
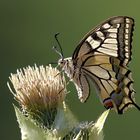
[{"x": 27, "y": 29}]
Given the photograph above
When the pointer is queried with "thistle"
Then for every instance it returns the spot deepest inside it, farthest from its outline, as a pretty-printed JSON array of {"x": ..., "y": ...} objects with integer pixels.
[{"x": 43, "y": 113}]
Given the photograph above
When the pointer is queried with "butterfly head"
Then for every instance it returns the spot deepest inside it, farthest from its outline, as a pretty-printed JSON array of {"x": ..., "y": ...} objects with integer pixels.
[
  {"x": 67, "y": 66},
  {"x": 63, "y": 62}
]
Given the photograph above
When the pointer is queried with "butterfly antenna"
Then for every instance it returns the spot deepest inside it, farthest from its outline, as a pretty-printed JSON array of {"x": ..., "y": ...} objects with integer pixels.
[{"x": 61, "y": 51}]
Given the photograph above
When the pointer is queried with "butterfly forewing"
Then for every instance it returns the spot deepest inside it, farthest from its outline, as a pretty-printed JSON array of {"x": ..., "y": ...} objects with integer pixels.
[{"x": 113, "y": 37}]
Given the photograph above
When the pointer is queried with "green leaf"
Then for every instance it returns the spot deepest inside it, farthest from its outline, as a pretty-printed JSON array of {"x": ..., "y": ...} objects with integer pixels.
[{"x": 31, "y": 131}]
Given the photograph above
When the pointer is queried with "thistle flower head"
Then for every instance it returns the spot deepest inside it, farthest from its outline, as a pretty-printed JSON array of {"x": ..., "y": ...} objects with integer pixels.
[{"x": 39, "y": 90}]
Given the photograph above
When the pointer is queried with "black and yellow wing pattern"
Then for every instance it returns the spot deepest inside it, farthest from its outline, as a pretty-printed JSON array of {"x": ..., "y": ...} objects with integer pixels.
[{"x": 103, "y": 56}]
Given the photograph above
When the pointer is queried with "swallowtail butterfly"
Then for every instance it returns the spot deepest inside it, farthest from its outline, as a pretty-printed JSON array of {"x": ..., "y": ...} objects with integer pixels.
[{"x": 103, "y": 56}]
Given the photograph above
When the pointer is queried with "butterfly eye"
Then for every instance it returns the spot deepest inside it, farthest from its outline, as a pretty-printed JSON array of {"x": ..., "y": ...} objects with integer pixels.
[{"x": 61, "y": 62}]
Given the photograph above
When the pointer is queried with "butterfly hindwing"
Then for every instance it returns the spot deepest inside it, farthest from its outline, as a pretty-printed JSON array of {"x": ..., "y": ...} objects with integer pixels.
[
  {"x": 114, "y": 82},
  {"x": 82, "y": 86}
]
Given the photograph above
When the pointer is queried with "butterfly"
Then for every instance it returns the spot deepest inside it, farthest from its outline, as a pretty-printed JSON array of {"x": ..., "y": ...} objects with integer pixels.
[{"x": 102, "y": 57}]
